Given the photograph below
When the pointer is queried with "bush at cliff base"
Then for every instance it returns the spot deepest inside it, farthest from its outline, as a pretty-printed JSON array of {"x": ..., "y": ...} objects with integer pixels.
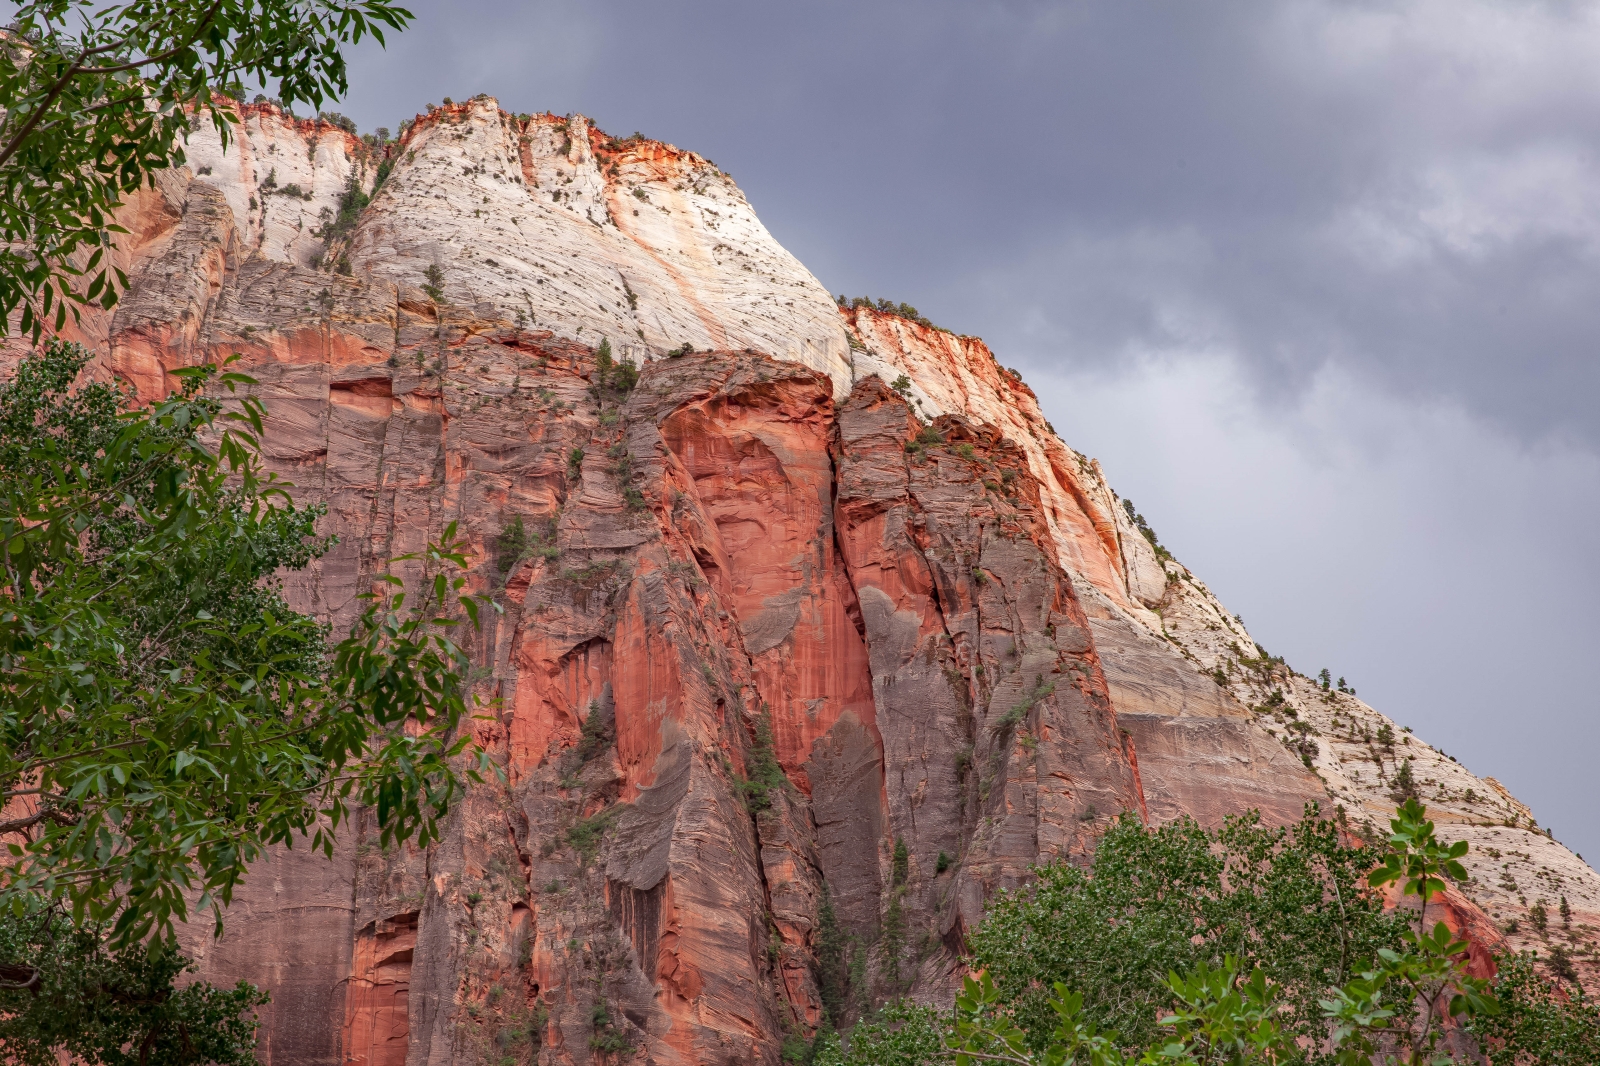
[{"x": 1246, "y": 945}]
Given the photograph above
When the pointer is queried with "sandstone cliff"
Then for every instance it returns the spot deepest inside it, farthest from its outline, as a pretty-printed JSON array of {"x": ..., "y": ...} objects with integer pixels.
[{"x": 822, "y": 606}]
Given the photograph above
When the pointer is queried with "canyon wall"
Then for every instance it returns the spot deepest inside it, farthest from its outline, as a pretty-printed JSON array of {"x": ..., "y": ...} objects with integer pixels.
[{"x": 818, "y": 633}]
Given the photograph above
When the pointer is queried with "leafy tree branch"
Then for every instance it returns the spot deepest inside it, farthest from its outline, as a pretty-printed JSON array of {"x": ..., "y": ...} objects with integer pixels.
[{"x": 96, "y": 99}]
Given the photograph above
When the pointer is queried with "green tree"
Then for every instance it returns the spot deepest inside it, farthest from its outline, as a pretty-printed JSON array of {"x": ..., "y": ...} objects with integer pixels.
[
  {"x": 1228, "y": 1010},
  {"x": 351, "y": 203},
  {"x": 433, "y": 282},
  {"x": 166, "y": 715},
  {"x": 834, "y": 946},
  {"x": 66, "y": 992},
  {"x": 1404, "y": 786},
  {"x": 1538, "y": 1021},
  {"x": 510, "y": 545},
  {"x": 96, "y": 98},
  {"x": 1397, "y": 1007},
  {"x": 766, "y": 774},
  {"x": 901, "y": 1034},
  {"x": 612, "y": 377},
  {"x": 892, "y": 933},
  {"x": 1290, "y": 900}
]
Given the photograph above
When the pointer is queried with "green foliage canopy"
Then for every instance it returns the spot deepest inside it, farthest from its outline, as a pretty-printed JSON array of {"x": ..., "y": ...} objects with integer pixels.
[
  {"x": 1289, "y": 900},
  {"x": 1540, "y": 1022},
  {"x": 166, "y": 714},
  {"x": 1181, "y": 893},
  {"x": 79, "y": 999}
]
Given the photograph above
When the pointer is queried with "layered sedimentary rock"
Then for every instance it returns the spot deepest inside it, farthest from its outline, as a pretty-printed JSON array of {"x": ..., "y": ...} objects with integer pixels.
[
  {"x": 822, "y": 609},
  {"x": 1200, "y": 751}
]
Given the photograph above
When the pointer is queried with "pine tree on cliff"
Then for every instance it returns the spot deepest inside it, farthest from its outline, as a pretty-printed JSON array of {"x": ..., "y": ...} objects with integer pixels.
[
  {"x": 892, "y": 937},
  {"x": 1403, "y": 787},
  {"x": 833, "y": 960}
]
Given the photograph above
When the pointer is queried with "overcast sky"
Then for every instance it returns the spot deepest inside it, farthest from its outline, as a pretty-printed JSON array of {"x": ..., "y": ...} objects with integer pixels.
[{"x": 1316, "y": 282}]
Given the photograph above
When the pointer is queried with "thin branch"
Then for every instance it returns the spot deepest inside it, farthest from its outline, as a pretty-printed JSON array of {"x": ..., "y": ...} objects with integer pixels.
[
  {"x": 108, "y": 103},
  {"x": 79, "y": 68},
  {"x": 161, "y": 57},
  {"x": 986, "y": 1057},
  {"x": 17, "y": 825},
  {"x": 1342, "y": 921},
  {"x": 14, "y": 976},
  {"x": 80, "y": 754}
]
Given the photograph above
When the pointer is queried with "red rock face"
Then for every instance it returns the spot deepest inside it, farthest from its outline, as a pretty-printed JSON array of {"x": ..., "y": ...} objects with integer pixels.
[
  {"x": 728, "y": 549},
  {"x": 757, "y": 464},
  {"x": 947, "y": 374},
  {"x": 1201, "y": 752},
  {"x": 935, "y": 609},
  {"x": 377, "y": 1027}
]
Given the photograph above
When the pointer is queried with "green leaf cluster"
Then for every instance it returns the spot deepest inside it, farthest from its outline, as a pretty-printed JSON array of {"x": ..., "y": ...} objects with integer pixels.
[
  {"x": 901, "y": 1034},
  {"x": 1403, "y": 997},
  {"x": 1539, "y": 1021},
  {"x": 1068, "y": 970},
  {"x": 65, "y": 994},
  {"x": 1290, "y": 900},
  {"x": 96, "y": 99},
  {"x": 167, "y": 715}
]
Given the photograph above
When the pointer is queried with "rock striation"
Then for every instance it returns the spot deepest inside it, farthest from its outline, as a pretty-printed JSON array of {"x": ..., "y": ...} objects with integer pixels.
[{"x": 818, "y": 636}]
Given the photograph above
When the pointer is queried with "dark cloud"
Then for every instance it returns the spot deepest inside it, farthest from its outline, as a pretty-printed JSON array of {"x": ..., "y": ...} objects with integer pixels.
[
  {"x": 1407, "y": 189},
  {"x": 1315, "y": 280}
]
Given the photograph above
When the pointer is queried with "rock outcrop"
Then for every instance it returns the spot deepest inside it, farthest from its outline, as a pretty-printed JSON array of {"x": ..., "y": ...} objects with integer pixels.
[{"x": 819, "y": 633}]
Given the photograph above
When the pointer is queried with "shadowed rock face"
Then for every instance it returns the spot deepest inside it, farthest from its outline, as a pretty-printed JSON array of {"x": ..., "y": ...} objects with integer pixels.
[
  {"x": 1000, "y": 744},
  {"x": 1201, "y": 752},
  {"x": 814, "y": 616}
]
